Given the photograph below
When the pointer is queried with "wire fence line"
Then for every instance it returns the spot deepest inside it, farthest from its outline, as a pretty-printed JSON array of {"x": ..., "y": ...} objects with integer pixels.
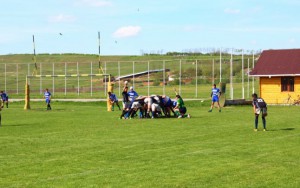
[{"x": 191, "y": 78}]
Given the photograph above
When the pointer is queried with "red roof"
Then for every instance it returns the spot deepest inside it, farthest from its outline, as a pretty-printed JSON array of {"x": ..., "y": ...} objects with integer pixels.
[{"x": 278, "y": 63}]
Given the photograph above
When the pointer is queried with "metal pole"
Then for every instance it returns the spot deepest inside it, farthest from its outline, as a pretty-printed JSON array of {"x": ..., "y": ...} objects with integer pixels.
[
  {"x": 105, "y": 89},
  {"x": 41, "y": 90},
  {"x": 231, "y": 85},
  {"x": 164, "y": 78},
  {"x": 133, "y": 74},
  {"x": 119, "y": 71},
  {"x": 253, "y": 76},
  {"x": 53, "y": 84},
  {"x": 28, "y": 72},
  {"x": 243, "y": 85},
  {"x": 78, "y": 80},
  {"x": 248, "y": 85},
  {"x": 213, "y": 72},
  {"x": 65, "y": 79},
  {"x": 180, "y": 77},
  {"x": 148, "y": 78},
  {"x": 196, "y": 79},
  {"x": 220, "y": 64},
  {"x": 17, "y": 78},
  {"x": 91, "y": 79},
  {"x": 5, "y": 77}
]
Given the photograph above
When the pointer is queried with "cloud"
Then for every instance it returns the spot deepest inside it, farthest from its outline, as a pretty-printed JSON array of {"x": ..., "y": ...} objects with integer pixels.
[
  {"x": 62, "y": 18},
  {"x": 127, "y": 31},
  {"x": 232, "y": 11},
  {"x": 94, "y": 3}
]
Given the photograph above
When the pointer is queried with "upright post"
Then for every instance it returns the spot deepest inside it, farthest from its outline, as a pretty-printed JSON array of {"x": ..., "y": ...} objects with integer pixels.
[
  {"x": 133, "y": 74},
  {"x": 196, "y": 92},
  {"x": 91, "y": 79},
  {"x": 17, "y": 74},
  {"x": 231, "y": 85},
  {"x": 243, "y": 86},
  {"x": 53, "y": 84},
  {"x": 65, "y": 79},
  {"x": 164, "y": 77},
  {"x": 180, "y": 77},
  {"x": 119, "y": 71},
  {"x": 105, "y": 79},
  {"x": 148, "y": 78},
  {"x": 110, "y": 88},
  {"x": 5, "y": 77},
  {"x": 248, "y": 80},
  {"x": 213, "y": 72},
  {"x": 78, "y": 79},
  {"x": 41, "y": 84},
  {"x": 253, "y": 90},
  {"x": 27, "y": 95},
  {"x": 220, "y": 65}
]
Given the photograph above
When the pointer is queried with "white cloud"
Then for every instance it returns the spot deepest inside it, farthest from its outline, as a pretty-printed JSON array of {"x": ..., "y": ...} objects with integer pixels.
[
  {"x": 62, "y": 18},
  {"x": 232, "y": 11},
  {"x": 94, "y": 3},
  {"x": 127, "y": 31}
]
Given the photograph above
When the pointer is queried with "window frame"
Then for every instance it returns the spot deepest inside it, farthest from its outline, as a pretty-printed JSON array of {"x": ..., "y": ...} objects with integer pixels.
[{"x": 287, "y": 84}]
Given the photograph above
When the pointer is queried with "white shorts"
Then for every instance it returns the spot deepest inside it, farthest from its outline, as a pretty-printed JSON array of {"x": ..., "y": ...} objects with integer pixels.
[
  {"x": 261, "y": 110},
  {"x": 155, "y": 107},
  {"x": 136, "y": 105}
]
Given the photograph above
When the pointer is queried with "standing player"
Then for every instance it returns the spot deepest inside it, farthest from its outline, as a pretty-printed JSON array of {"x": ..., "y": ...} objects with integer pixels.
[
  {"x": 4, "y": 98},
  {"x": 259, "y": 105},
  {"x": 113, "y": 100},
  {"x": 215, "y": 95},
  {"x": 126, "y": 103},
  {"x": 47, "y": 96},
  {"x": 132, "y": 95}
]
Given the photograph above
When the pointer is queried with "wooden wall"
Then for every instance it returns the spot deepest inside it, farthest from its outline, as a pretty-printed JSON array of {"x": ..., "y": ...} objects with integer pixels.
[{"x": 270, "y": 90}]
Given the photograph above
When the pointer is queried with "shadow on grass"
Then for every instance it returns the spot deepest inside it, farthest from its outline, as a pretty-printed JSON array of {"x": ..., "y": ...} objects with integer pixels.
[{"x": 285, "y": 129}]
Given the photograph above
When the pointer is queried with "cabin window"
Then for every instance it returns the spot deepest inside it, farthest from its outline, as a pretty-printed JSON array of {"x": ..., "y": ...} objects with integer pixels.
[{"x": 287, "y": 83}]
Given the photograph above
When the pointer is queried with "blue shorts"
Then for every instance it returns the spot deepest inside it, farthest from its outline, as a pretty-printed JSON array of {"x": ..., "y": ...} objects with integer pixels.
[
  {"x": 215, "y": 99},
  {"x": 168, "y": 103},
  {"x": 182, "y": 110},
  {"x": 48, "y": 101}
]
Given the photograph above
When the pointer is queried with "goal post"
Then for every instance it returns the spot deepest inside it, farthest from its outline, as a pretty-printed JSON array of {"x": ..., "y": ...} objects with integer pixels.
[{"x": 27, "y": 86}]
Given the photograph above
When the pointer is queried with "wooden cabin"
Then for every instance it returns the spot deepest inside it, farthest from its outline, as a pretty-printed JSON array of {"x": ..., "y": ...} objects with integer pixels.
[{"x": 279, "y": 75}]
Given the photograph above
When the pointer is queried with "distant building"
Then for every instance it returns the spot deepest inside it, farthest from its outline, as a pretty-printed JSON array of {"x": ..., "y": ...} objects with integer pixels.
[{"x": 279, "y": 75}]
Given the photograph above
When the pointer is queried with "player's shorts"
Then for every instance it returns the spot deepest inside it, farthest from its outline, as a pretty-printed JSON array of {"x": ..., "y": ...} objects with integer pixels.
[
  {"x": 261, "y": 110},
  {"x": 136, "y": 105},
  {"x": 48, "y": 101},
  {"x": 126, "y": 105},
  {"x": 155, "y": 107},
  {"x": 215, "y": 99},
  {"x": 182, "y": 110},
  {"x": 168, "y": 103}
]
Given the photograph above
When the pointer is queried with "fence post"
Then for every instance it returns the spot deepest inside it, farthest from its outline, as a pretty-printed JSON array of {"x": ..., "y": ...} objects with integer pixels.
[
  {"x": 78, "y": 79},
  {"x": 5, "y": 77},
  {"x": 196, "y": 79},
  {"x": 231, "y": 85},
  {"x": 253, "y": 90},
  {"x": 91, "y": 79},
  {"x": 180, "y": 77},
  {"x": 53, "y": 84},
  {"x": 148, "y": 78},
  {"x": 164, "y": 77},
  {"x": 119, "y": 71},
  {"x": 41, "y": 85},
  {"x": 65, "y": 78},
  {"x": 133, "y": 74},
  {"x": 243, "y": 85},
  {"x": 220, "y": 65},
  {"x": 105, "y": 79},
  {"x": 248, "y": 96},
  {"x": 213, "y": 72},
  {"x": 17, "y": 78}
]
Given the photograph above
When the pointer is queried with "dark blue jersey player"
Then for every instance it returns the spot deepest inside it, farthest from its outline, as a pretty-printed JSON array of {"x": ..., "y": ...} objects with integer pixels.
[
  {"x": 47, "y": 96},
  {"x": 215, "y": 95},
  {"x": 4, "y": 98}
]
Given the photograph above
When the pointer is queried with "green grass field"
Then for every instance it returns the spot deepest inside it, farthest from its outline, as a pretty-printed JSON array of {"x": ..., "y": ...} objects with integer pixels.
[{"x": 82, "y": 145}]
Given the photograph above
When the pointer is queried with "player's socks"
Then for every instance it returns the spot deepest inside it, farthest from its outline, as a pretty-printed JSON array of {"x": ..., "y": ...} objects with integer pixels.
[
  {"x": 0, "y": 119},
  {"x": 152, "y": 114},
  {"x": 264, "y": 122},
  {"x": 256, "y": 122},
  {"x": 210, "y": 110},
  {"x": 6, "y": 105},
  {"x": 177, "y": 113}
]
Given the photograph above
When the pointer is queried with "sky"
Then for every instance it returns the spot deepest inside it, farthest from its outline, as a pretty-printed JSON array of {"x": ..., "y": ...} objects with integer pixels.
[{"x": 134, "y": 27}]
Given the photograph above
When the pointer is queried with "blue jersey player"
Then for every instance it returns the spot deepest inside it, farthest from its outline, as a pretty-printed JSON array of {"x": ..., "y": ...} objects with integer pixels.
[
  {"x": 215, "y": 95},
  {"x": 47, "y": 96},
  {"x": 4, "y": 98}
]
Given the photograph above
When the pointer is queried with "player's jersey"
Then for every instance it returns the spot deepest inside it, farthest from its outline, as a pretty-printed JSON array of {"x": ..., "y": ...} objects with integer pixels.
[
  {"x": 113, "y": 97},
  {"x": 4, "y": 96},
  {"x": 47, "y": 95},
  {"x": 215, "y": 92},
  {"x": 132, "y": 95},
  {"x": 125, "y": 96},
  {"x": 180, "y": 103},
  {"x": 259, "y": 103}
]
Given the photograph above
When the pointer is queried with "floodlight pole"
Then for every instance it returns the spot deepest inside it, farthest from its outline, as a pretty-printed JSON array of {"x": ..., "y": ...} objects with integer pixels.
[
  {"x": 220, "y": 65},
  {"x": 243, "y": 86}
]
